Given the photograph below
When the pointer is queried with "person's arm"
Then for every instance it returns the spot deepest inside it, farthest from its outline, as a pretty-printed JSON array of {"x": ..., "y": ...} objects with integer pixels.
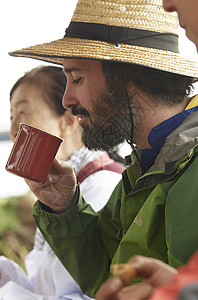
[
  {"x": 78, "y": 225},
  {"x": 14, "y": 284},
  {"x": 10, "y": 271},
  {"x": 48, "y": 275},
  {"x": 75, "y": 238}
]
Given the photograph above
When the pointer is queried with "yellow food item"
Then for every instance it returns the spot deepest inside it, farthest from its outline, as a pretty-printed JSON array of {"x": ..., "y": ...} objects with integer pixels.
[{"x": 124, "y": 271}]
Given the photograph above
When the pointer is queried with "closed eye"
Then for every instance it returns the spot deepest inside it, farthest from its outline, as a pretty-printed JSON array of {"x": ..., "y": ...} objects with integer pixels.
[
  {"x": 21, "y": 112},
  {"x": 76, "y": 81}
]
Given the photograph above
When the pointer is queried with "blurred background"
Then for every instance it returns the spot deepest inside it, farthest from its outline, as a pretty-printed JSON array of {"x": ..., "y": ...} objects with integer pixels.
[{"x": 24, "y": 23}]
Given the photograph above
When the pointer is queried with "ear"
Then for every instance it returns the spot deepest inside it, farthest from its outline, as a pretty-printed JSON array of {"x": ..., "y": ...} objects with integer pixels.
[
  {"x": 129, "y": 84},
  {"x": 68, "y": 124},
  {"x": 131, "y": 87}
]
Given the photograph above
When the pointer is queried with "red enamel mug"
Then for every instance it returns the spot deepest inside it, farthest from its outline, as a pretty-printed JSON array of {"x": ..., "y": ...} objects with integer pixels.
[{"x": 33, "y": 153}]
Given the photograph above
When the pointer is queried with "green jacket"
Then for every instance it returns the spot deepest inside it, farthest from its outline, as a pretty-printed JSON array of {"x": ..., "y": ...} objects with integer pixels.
[{"x": 153, "y": 215}]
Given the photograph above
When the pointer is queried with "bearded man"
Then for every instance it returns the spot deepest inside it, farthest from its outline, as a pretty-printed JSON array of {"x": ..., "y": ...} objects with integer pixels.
[{"x": 125, "y": 81}]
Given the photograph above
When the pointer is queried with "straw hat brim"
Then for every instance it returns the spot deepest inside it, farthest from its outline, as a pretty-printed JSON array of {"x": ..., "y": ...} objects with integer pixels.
[{"x": 57, "y": 51}]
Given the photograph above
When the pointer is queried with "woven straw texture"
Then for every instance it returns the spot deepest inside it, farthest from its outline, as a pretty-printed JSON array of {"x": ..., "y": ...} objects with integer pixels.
[{"x": 138, "y": 14}]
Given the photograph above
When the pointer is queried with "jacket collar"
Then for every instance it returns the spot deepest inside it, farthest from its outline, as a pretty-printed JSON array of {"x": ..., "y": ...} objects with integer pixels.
[
  {"x": 177, "y": 145},
  {"x": 158, "y": 135}
]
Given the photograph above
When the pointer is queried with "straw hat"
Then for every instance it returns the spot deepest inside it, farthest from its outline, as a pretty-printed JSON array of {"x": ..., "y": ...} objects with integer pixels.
[{"x": 132, "y": 31}]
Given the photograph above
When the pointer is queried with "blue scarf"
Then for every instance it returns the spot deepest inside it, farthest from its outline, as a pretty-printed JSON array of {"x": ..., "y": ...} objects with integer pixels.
[{"x": 158, "y": 135}]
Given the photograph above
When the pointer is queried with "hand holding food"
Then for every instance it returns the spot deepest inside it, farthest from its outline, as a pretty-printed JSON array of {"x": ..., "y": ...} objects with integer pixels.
[{"x": 153, "y": 272}]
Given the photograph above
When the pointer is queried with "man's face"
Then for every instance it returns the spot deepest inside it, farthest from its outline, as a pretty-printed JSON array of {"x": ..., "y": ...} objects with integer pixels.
[
  {"x": 103, "y": 112},
  {"x": 188, "y": 16}
]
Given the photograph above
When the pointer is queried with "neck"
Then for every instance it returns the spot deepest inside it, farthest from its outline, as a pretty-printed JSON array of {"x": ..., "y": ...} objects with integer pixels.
[{"x": 150, "y": 115}]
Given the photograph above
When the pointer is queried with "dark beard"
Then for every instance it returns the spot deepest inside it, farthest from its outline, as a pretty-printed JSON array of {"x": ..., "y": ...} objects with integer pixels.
[{"x": 113, "y": 124}]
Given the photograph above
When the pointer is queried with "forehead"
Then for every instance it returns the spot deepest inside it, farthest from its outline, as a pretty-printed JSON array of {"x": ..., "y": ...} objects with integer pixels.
[
  {"x": 82, "y": 65},
  {"x": 189, "y": 4},
  {"x": 24, "y": 94}
]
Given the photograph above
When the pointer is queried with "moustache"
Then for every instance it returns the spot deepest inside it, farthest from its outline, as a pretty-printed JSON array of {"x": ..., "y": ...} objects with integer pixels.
[{"x": 76, "y": 110}]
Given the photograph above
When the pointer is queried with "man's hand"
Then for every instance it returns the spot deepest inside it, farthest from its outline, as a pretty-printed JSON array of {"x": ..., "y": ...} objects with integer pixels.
[
  {"x": 59, "y": 188},
  {"x": 153, "y": 272}
]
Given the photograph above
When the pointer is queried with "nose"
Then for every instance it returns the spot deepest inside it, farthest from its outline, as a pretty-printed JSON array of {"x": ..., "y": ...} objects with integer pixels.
[
  {"x": 69, "y": 98},
  {"x": 168, "y": 5}
]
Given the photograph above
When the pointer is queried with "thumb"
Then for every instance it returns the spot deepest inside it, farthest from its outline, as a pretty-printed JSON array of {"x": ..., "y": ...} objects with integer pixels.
[{"x": 109, "y": 289}]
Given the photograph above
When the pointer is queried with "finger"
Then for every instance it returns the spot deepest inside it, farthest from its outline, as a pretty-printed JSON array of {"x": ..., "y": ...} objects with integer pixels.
[
  {"x": 65, "y": 172},
  {"x": 35, "y": 186},
  {"x": 152, "y": 270},
  {"x": 61, "y": 166},
  {"x": 139, "y": 291},
  {"x": 145, "y": 266},
  {"x": 109, "y": 289}
]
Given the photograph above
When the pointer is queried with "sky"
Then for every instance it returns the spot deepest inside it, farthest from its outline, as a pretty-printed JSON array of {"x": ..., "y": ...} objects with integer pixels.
[{"x": 25, "y": 23}]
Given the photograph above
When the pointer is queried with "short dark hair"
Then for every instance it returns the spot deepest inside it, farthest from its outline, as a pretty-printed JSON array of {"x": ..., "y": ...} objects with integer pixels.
[
  {"x": 52, "y": 83},
  {"x": 162, "y": 86}
]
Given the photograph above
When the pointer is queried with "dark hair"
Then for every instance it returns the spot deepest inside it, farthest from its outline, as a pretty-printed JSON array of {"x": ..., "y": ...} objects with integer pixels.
[
  {"x": 162, "y": 86},
  {"x": 51, "y": 81}
]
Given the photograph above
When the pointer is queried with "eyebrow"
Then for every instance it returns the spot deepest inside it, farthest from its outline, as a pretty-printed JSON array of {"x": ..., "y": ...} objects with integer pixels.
[
  {"x": 20, "y": 102},
  {"x": 73, "y": 69}
]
